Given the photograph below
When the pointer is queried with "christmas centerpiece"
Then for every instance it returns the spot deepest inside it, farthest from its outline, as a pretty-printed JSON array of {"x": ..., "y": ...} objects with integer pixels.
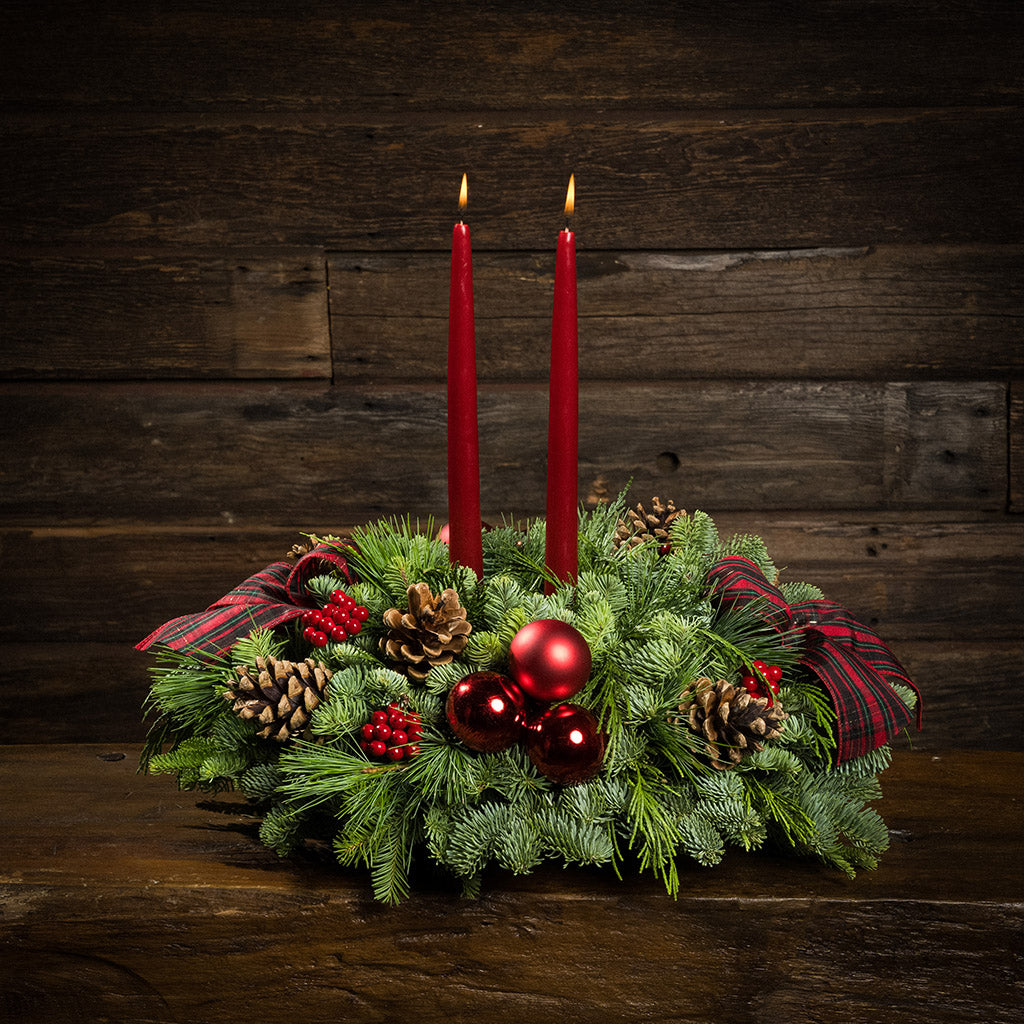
[
  {"x": 678, "y": 699},
  {"x": 618, "y": 687}
]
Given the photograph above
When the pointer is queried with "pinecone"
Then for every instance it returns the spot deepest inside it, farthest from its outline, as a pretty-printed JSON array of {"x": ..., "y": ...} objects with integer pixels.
[
  {"x": 430, "y": 633},
  {"x": 641, "y": 525},
  {"x": 732, "y": 721},
  {"x": 280, "y": 696}
]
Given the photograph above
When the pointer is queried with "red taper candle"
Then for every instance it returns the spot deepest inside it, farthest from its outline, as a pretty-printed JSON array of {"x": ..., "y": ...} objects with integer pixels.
[
  {"x": 465, "y": 545},
  {"x": 563, "y": 414}
]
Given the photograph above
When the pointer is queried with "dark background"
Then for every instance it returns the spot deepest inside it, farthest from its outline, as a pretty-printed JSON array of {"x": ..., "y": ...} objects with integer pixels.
[{"x": 223, "y": 283}]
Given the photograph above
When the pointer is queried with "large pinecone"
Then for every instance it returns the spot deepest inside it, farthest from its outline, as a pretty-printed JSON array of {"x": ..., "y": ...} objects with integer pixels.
[
  {"x": 732, "y": 721},
  {"x": 280, "y": 695},
  {"x": 430, "y": 633},
  {"x": 641, "y": 525}
]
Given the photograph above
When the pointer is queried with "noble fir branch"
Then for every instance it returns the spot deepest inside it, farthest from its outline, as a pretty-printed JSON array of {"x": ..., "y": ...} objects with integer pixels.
[
  {"x": 191, "y": 761},
  {"x": 511, "y": 774},
  {"x": 752, "y": 547},
  {"x": 695, "y": 533},
  {"x": 803, "y": 697},
  {"x": 259, "y": 781},
  {"x": 260, "y": 643},
  {"x": 509, "y": 834},
  {"x": 797, "y": 593},
  {"x": 776, "y": 802},
  {"x": 573, "y": 840},
  {"x": 281, "y": 829}
]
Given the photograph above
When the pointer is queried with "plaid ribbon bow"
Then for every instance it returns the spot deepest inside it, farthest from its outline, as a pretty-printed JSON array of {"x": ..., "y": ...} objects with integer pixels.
[
  {"x": 850, "y": 660},
  {"x": 275, "y": 595}
]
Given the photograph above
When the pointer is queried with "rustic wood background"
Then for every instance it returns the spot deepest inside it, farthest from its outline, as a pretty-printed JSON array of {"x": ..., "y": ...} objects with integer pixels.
[{"x": 223, "y": 242}]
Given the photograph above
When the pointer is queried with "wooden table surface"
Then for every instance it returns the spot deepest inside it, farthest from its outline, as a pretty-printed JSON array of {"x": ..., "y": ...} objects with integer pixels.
[{"x": 122, "y": 900}]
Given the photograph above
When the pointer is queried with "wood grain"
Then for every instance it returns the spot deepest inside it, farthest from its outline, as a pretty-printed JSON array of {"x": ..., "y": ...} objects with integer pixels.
[
  {"x": 227, "y": 453},
  {"x": 745, "y": 180},
  {"x": 891, "y": 312},
  {"x": 1016, "y": 446},
  {"x": 192, "y": 314},
  {"x": 187, "y": 890},
  {"x": 444, "y": 56}
]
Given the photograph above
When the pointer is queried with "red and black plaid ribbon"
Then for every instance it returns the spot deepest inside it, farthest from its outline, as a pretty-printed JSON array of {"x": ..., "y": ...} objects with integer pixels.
[
  {"x": 275, "y": 595},
  {"x": 854, "y": 666}
]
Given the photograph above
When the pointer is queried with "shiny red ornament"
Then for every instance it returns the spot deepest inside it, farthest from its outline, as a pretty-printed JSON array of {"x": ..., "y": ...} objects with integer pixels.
[
  {"x": 550, "y": 660},
  {"x": 487, "y": 711},
  {"x": 566, "y": 744}
]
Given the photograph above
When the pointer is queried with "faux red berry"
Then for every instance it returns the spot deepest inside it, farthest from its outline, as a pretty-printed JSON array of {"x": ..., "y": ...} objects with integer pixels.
[
  {"x": 396, "y": 753},
  {"x": 367, "y": 731},
  {"x": 379, "y": 717},
  {"x": 353, "y": 626},
  {"x": 664, "y": 549},
  {"x": 412, "y": 749},
  {"x": 319, "y": 639},
  {"x": 750, "y": 684},
  {"x": 338, "y": 634},
  {"x": 337, "y": 596},
  {"x": 398, "y": 738},
  {"x": 378, "y": 748},
  {"x": 760, "y": 668},
  {"x": 774, "y": 673},
  {"x": 360, "y": 612},
  {"x": 382, "y": 731},
  {"x": 308, "y": 633}
]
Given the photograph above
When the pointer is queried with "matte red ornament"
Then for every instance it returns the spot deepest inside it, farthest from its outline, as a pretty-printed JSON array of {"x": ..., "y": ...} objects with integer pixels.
[
  {"x": 550, "y": 660},
  {"x": 487, "y": 711},
  {"x": 566, "y": 744}
]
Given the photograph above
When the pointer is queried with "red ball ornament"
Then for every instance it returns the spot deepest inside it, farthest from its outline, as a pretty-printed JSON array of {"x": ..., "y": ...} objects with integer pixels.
[
  {"x": 549, "y": 659},
  {"x": 566, "y": 744},
  {"x": 486, "y": 710}
]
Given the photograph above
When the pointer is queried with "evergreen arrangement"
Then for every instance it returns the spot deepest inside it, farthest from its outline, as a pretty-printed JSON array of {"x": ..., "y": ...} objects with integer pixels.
[{"x": 676, "y": 700}]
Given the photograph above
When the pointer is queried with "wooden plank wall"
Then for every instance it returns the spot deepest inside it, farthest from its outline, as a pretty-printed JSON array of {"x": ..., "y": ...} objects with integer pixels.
[{"x": 224, "y": 278}]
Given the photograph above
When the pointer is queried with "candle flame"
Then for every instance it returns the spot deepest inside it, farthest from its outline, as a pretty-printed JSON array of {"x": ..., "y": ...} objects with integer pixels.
[
  {"x": 464, "y": 193},
  {"x": 570, "y": 195}
]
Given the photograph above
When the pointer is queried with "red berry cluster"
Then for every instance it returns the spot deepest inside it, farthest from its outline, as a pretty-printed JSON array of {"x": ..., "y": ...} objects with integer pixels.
[
  {"x": 766, "y": 685},
  {"x": 391, "y": 734},
  {"x": 337, "y": 620}
]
